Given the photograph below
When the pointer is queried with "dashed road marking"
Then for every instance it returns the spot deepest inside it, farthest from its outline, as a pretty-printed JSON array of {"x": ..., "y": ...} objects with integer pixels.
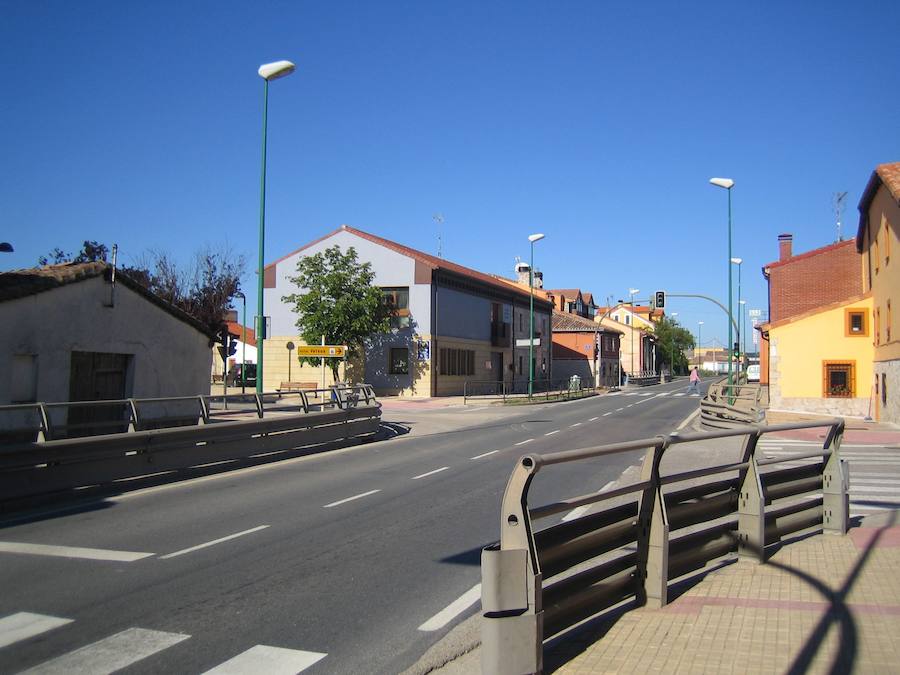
[
  {"x": 72, "y": 552},
  {"x": 550, "y": 433},
  {"x": 430, "y": 473},
  {"x": 213, "y": 542},
  {"x": 484, "y": 454},
  {"x": 454, "y": 609},
  {"x": 265, "y": 659},
  {"x": 23, "y": 625},
  {"x": 350, "y": 499},
  {"x": 524, "y": 442}
]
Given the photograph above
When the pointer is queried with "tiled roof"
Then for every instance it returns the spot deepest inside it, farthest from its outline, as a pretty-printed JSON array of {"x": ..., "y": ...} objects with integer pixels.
[
  {"x": 809, "y": 254},
  {"x": 588, "y": 298},
  {"x": 565, "y": 322},
  {"x": 884, "y": 174},
  {"x": 25, "y": 282},
  {"x": 570, "y": 293},
  {"x": 431, "y": 261},
  {"x": 236, "y": 329}
]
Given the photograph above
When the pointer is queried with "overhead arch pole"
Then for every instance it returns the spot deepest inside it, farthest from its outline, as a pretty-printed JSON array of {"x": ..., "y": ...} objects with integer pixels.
[{"x": 713, "y": 300}]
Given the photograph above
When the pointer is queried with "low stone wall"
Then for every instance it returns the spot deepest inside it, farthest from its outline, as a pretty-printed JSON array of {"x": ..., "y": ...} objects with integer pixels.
[
  {"x": 888, "y": 402},
  {"x": 840, "y": 407}
]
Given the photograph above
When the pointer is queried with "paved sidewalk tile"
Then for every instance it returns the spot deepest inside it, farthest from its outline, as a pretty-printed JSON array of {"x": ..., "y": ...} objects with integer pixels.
[{"x": 823, "y": 604}]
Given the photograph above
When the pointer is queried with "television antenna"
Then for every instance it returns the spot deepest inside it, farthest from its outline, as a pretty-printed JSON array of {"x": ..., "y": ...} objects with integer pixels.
[
  {"x": 439, "y": 220},
  {"x": 839, "y": 204}
]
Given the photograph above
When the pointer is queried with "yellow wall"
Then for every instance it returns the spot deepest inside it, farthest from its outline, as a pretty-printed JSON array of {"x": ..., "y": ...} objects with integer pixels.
[
  {"x": 884, "y": 219},
  {"x": 275, "y": 363},
  {"x": 802, "y": 346}
]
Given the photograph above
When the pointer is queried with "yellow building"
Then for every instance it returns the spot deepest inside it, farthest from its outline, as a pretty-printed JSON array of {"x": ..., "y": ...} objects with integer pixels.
[
  {"x": 876, "y": 240},
  {"x": 820, "y": 361}
]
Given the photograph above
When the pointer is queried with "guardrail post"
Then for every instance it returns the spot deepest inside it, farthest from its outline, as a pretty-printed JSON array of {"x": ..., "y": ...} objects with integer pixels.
[
  {"x": 204, "y": 411},
  {"x": 652, "y": 534},
  {"x": 259, "y": 405},
  {"x": 44, "y": 433},
  {"x": 134, "y": 423},
  {"x": 835, "y": 487},
  {"x": 512, "y": 631},
  {"x": 752, "y": 515}
]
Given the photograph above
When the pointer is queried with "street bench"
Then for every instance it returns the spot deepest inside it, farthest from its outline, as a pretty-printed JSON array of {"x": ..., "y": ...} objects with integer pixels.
[{"x": 297, "y": 386}]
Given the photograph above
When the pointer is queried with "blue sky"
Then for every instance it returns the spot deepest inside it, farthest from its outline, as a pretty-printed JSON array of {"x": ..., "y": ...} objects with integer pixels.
[{"x": 596, "y": 123}]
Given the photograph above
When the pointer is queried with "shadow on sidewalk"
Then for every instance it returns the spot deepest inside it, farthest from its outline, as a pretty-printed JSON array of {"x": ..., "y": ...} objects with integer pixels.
[{"x": 564, "y": 648}]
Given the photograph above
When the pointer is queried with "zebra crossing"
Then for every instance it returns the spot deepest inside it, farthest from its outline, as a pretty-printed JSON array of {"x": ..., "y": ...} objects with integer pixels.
[
  {"x": 127, "y": 647},
  {"x": 874, "y": 471},
  {"x": 661, "y": 394}
]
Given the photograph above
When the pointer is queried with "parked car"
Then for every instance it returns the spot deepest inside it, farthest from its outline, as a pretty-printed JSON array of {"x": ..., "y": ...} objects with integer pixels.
[{"x": 753, "y": 373}]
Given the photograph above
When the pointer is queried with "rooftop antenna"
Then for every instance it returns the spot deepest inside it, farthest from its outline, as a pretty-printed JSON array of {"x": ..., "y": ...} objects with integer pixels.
[
  {"x": 439, "y": 220},
  {"x": 839, "y": 204}
]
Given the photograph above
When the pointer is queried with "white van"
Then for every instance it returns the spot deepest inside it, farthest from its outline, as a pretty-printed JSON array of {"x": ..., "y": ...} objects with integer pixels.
[{"x": 753, "y": 373}]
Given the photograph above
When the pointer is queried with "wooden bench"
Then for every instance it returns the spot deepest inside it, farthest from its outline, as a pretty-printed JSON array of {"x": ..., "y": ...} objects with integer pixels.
[{"x": 297, "y": 386}]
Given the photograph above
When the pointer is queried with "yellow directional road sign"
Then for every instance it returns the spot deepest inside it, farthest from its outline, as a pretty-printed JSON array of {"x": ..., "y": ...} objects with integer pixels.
[{"x": 322, "y": 350}]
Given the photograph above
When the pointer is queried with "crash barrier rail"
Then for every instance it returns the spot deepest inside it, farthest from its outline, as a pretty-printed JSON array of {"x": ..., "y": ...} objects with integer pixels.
[
  {"x": 37, "y": 422},
  {"x": 45, "y": 466},
  {"x": 537, "y": 584},
  {"x": 564, "y": 388},
  {"x": 727, "y": 406}
]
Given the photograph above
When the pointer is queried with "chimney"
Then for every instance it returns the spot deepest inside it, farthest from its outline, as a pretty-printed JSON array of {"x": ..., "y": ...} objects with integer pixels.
[
  {"x": 538, "y": 279},
  {"x": 522, "y": 270},
  {"x": 784, "y": 246}
]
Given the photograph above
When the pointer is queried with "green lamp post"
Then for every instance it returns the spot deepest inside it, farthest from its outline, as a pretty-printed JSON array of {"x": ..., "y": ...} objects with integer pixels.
[
  {"x": 727, "y": 184},
  {"x": 531, "y": 238}
]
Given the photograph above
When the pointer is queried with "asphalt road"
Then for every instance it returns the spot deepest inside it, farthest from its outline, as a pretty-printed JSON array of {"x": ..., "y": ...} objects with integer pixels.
[{"x": 335, "y": 560}]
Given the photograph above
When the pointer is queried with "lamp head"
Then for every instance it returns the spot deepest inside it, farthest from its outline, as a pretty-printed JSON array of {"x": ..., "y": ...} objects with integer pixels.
[
  {"x": 535, "y": 237},
  {"x": 6, "y": 247},
  {"x": 726, "y": 183},
  {"x": 272, "y": 71},
  {"x": 737, "y": 261},
  {"x": 699, "y": 323},
  {"x": 634, "y": 291}
]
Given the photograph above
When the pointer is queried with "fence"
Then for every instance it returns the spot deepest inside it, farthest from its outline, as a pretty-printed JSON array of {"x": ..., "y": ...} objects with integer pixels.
[
  {"x": 487, "y": 390},
  {"x": 728, "y": 406},
  {"x": 59, "y": 456},
  {"x": 538, "y": 584}
]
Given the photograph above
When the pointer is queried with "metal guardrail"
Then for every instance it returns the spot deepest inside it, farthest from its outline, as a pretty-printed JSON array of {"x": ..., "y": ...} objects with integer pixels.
[
  {"x": 487, "y": 390},
  {"x": 38, "y": 422},
  {"x": 43, "y": 466},
  {"x": 729, "y": 406},
  {"x": 536, "y": 584}
]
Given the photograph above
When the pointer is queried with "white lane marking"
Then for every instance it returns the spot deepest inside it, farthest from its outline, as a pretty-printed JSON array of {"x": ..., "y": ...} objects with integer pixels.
[
  {"x": 687, "y": 420},
  {"x": 454, "y": 609},
  {"x": 524, "y": 442},
  {"x": 575, "y": 513},
  {"x": 619, "y": 409},
  {"x": 605, "y": 414},
  {"x": 23, "y": 625},
  {"x": 212, "y": 543},
  {"x": 577, "y": 424},
  {"x": 72, "y": 552},
  {"x": 681, "y": 393},
  {"x": 430, "y": 473},
  {"x": 593, "y": 418},
  {"x": 631, "y": 405},
  {"x": 695, "y": 395},
  {"x": 485, "y": 454},
  {"x": 110, "y": 654},
  {"x": 269, "y": 660},
  {"x": 350, "y": 499},
  {"x": 614, "y": 393},
  {"x": 856, "y": 490},
  {"x": 650, "y": 393},
  {"x": 550, "y": 433}
]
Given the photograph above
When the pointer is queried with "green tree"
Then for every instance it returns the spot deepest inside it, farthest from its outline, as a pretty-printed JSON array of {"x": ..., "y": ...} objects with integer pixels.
[
  {"x": 339, "y": 301},
  {"x": 674, "y": 339},
  {"x": 91, "y": 251}
]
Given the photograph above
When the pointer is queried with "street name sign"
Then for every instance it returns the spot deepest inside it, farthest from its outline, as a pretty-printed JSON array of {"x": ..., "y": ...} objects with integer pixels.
[
  {"x": 524, "y": 342},
  {"x": 322, "y": 350}
]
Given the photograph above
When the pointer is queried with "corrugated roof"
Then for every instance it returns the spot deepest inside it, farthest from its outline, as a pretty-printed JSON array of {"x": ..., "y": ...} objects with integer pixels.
[
  {"x": 25, "y": 282},
  {"x": 431, "y": 261}
]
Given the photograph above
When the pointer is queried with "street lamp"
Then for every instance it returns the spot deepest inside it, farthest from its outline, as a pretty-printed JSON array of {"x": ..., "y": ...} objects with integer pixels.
[
  {"x": 632, "y": 292},
  {"x": 267, "y": 71},
  {"x": 531, "y": 238},
  {"x": 6, "y": 247},
  {"x": 727, "y": 184},
  {"x": 699, "y": 327},
  {"x": 239, "y": 294},
  {"x": 743, "y": 338},
  {"x": 738, "y": 261}
]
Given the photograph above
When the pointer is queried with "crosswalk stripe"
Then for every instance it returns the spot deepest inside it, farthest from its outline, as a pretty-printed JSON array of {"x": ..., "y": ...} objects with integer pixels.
[
  {"x": 110, "y": 654},
  {"x": 269, "y": 660},
  {"x": 71, "y": 552},
  {"x": 680, "y": 393},
  {"x": 23, "y": 625}
]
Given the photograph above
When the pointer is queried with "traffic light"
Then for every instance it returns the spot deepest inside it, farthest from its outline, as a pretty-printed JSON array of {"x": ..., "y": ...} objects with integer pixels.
[
  {"x": 736, "y": 350},
  {"x": 232, "y": 345},
  {"x": 660, "y": 297}
]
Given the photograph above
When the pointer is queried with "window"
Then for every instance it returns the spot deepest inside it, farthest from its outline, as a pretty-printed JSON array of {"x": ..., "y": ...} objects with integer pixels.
[
  {"x": 877, "y": 326},
  {"x": 397, "y": 299},
  {"x": 399, "y": 361},
  {"x": 838, "y": 379},
  {"x": 457, "y": 361},
  {"x": 520, "y": 322},
  {"x": 520, "y": 365},
  {"x": 855, "y": 323},
  {"x": 886, "y": 228},
  {"x": 883, "y": 388},
  {"x": 628, "y": 319},
  {"x": 875, "y": 248}
]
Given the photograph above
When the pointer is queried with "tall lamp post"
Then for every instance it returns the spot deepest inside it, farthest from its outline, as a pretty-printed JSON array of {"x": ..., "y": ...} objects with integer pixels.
[
  {"x": 531, "y": 238},
  {"x": 632, "y": 292},
  {"x": 738, "y": 261},
  {"x": 743, "y": 324},
  {"x": 727, "y": 184},
  {"x": 699, "y": 327},
  {"x": 243, "y": 298},
  {"x": 267, "y": 71}
]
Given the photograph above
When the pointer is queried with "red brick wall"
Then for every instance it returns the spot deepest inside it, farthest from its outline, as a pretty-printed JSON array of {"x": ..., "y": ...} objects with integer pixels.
[{"x": 814, "y": 279}]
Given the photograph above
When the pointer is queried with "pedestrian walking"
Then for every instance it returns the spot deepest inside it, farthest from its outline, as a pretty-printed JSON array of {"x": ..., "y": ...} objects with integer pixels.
[{"x": 695, "y": 382}]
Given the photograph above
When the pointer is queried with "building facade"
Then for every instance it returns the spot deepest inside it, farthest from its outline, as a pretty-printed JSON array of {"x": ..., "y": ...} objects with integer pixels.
[
  {"x": 877, "y": 241},
  {"x": 585, "y": 348},
  {"x": 452, "y": 324},
  {"x": 73, "y": 333}
]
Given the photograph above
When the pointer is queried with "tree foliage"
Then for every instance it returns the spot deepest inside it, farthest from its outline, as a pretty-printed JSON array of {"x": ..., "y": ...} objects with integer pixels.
[
  {"x": 204, "y": 288},
  {"x": 674, "y": 339},
  {"x": 337, "y": 300}
]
